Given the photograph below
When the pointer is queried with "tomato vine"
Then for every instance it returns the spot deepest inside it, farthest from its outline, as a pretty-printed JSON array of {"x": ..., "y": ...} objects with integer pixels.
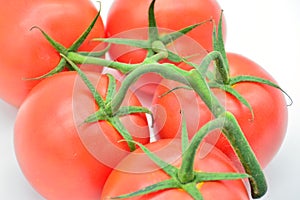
[{"x": 198, "y": 78}]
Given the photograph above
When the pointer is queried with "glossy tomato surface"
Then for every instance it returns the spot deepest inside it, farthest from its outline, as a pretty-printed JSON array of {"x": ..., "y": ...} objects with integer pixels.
[
  {"x": 27, "y": 54},
  {"x": 137, "y": 171},
  {"x": 265, "y": 131},
  {"x": 61, "y": 156}
]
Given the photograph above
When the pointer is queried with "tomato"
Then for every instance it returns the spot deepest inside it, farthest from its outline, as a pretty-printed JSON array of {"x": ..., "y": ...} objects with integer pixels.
[
  {"x": 138, "y": 170},
  {"x": 264, "y": 131},
  {"x": 167, "y": 13},
  {"x": 27, "y": 54},
  {"x": 62, "y": 157},
  {"x": 135, "y": 22}
]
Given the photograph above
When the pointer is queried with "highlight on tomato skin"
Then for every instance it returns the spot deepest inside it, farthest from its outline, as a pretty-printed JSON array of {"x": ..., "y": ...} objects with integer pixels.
[
  {"x": 60, "y": 155},
  {"x": 29, "y": 54},
  {"x": 269, "y": 122},
  {"x": 138, "y": 170}
]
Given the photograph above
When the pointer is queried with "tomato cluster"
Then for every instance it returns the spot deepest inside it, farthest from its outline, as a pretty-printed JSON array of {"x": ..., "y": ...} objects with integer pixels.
[{"x": 171, "y": 116}]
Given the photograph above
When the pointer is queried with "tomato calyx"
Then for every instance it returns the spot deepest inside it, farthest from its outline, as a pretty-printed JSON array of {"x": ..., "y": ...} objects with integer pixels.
[
  {"x": 154, "y": 36},
  {"x": 185, "y": 177},
  {"x": 220, "y": 78},
  {"x": 73, "y": 48},
  {"x": 105, "y": 111},
  {"x": 155, "y": 53}
]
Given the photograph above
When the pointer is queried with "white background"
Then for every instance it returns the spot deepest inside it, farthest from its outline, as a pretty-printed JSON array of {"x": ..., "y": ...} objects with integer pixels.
[{"x": 267, "y": 32}]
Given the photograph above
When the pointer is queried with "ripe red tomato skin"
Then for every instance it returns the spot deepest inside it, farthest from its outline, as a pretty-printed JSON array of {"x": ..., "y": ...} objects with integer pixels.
[
  {"x": 265, "y": 132},
  {"x": 27, "y": 53},
  {"x": 170, "y": 150},
  {"x": 57, "y": 158}
]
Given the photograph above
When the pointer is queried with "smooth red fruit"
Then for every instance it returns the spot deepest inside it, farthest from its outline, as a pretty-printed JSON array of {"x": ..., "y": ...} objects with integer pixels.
[
  {"x": 61, "y": 156},
  {"x": 27, "y": 54}
]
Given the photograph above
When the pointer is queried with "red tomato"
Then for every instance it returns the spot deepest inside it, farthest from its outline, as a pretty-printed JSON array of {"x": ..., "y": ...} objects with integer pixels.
[
  {"x": 27, "y": 54},
  {"x": 167, "y": 13},
  {"x": 135, "y": 22},
  {"x": 62, "y": 157},
  {"x": 146, "y": 173},
  {"x": 265, "y": 132}
]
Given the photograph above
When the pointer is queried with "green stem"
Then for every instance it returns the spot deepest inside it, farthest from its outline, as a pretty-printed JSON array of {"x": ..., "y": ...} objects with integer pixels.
[
  {"x": 233, "y": 133},
  {"x": 160, "y": 52},
  {"x": 117, "y": 124},
  {"x": 194, "y": 79},
  {"x": 193, "y": 191},
  {"x": 241, "y": 146},
  {"x": 222, "y": 65},
  {"x": 168, "y": 71},
  {"x": 186, "y": 171},
  {"x": 78, "y": 58},
  {"x": 216, "y": 56},
  {"x": 125, "y": 68},
  {"x": 222, "y": 73},
  {"x": 201, "y": 87}
]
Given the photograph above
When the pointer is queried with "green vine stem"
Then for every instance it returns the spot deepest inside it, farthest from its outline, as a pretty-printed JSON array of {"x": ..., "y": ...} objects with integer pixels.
[
  {"x": 186, "y": 173},
  {"x": 157, "y": 46},
  {"x": 235, "y": 135},
  {"x": 166, "y": 70},
  {"x": 195, "y": 80},
  {"x": 83, "y": 59}
]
